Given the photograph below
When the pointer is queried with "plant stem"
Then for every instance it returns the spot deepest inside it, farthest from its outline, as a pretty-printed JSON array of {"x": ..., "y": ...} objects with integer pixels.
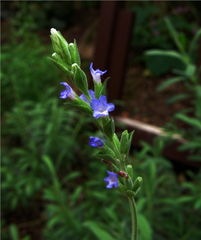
[{"x": 133, "y": 218}]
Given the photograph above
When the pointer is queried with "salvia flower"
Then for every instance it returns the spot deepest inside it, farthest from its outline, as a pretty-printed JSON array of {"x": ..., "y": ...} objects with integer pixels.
[
  {"x": 111, "y": 180},
  {"x": 96, "y": 74},
  {"x": 68, "y": 92},
  {"x": 91, "y": 94},
  {"x": 95, "y": 142},
  {"x": 100, "y": 107}
]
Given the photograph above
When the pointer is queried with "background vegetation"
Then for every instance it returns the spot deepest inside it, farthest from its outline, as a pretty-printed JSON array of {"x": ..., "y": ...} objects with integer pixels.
[{"x": 52, "y": 182}]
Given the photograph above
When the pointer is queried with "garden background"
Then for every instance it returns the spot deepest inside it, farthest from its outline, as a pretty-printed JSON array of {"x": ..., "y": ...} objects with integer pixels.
[{"x": 52, "y": 182}]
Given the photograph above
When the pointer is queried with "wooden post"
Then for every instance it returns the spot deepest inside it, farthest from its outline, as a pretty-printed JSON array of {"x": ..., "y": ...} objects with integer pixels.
[
  {"x": 105, "y": 34},
  {"x": 111, "y": 50},
  {"x": 119, "y": 53}
]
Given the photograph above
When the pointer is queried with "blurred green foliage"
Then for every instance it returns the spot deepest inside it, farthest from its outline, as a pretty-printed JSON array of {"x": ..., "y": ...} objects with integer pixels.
[
  {"x": 52, "y": 182},
  {"x": 149, "y": 28},
  {"x": 186, "y": 72}
]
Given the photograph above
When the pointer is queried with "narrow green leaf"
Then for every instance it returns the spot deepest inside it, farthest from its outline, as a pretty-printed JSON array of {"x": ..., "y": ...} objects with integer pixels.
[
  {"x": 124, "y": 142},
  {"x": 177, "y": 98},
  {"x": 98, "y": 231},
  {"x": 189, "y": 120},
  {"x": 169, "y": 82},
  {"x": 194, "y": 42},
  {"x": 14, "y": 232},
  {"x": 165, "y": 53},
  {"x": 145, "y": 228}
]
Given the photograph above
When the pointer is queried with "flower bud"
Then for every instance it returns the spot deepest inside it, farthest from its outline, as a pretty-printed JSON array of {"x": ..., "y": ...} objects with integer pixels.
[
  {"x": 129, "y": 170},
  {"x": 75, "y": 57},
  {"x": 80, "y": 79},
  {"x": 53, "y": 31},
  {"x": 137, "y": 184},
  {"x": 60, "y": 46}
]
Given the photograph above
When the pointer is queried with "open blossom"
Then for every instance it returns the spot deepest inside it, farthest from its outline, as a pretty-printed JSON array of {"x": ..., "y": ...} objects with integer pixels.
[
  {"x": 95, "y": 142},
  {"x": 91, "y": 94},
  {"x": 96, "y": 74},
  {"x": 111, "y": 180},
  {"x": 100, "y": 107},
  {"x": 68, "y": 92}
]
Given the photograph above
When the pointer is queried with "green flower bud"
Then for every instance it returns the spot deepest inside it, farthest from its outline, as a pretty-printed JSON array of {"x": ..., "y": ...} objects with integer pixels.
[
  {"x": 60, "y": 64},
  {"x": 80, "y": 79},
  {"x": 129, "y": 170},
  {"x": 137, "y": 184},
  {"x": 75, "y": 57},
  {"x": 60, "y": 46}
]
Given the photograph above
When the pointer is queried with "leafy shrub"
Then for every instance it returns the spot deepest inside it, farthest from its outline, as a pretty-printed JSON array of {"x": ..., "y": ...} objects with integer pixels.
[{"x": 188, "y": 75}]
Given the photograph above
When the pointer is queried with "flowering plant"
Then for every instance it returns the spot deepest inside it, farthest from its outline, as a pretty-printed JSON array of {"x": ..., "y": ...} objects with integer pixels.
[{"x": 112, "y": 149}]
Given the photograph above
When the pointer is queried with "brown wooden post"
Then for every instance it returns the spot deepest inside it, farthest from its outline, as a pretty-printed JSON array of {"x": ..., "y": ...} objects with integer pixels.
[
  {"x": 105, "y": 34},
  {"x": 112, "y": 43},
  {"x": 119, "y": 53}
]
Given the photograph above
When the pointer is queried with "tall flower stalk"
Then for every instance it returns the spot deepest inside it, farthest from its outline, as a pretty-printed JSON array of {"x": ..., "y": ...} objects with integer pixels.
[{"x": 113, "y": 150}]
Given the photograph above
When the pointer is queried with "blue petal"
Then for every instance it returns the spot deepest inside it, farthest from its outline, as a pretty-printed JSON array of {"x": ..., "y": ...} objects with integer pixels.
[
  {"x": 103, "y": 99},
  {"x": 64, "y": 94},
  {"x": 83, "y": 97},
  {"x": 91, "y": 93},
  {"x": 112, "y": 173},
  {"x": 111, "y": 107},
  {"x": 109, "y": 186},
  {"x": 64, "y": 84},
  {"x": 94, "y": 104}
]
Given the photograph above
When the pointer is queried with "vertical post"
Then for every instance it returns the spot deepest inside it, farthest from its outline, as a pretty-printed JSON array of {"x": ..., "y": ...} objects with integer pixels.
[
  {"x": 105, "y": 34},
  {"x": 112, "y": 43},
  {"x": 119, "y": 53}
]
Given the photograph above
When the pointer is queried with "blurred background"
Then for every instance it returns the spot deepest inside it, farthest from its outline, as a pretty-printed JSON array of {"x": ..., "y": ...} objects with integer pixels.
[{"x": 52, "y": 182}]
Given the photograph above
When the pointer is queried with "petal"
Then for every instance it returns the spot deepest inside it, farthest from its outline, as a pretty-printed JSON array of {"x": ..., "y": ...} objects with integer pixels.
[
  {"x": 115, "y": 184},
  {"x": 83, "y": 97},
  {"x": 110, "y": 107},
  {"x": 103, "y": 99},
  {"x": 64, "y": 84},
  {"x": 107, "y": 179},
  {"x": 109, "y": 186},
  {"x": 91, "y": 93},
  {"x": 91, "y": 68},
  {"x": 94, "y": 104},
  {"x": 100, "y": 72},
  {"x": 64, "y": 94},
  {"x": 97, "y": 114}
]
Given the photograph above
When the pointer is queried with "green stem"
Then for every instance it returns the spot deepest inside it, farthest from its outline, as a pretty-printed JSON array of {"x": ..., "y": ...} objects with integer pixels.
[{"x": 133, "y": 218}]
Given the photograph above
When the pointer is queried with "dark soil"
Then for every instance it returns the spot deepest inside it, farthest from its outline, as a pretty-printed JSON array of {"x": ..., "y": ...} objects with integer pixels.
[{"x": 142, "y": 100}]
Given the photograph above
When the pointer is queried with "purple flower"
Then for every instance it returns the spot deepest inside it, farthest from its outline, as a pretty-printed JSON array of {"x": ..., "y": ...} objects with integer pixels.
[
  {"x": 95, "y": 142},
  {"x": 111, "y": 180},
  {"x": 96, "y": 74},
  {"x": 91, "y": 94},
  {"x": 100, "y": 107},
  {"x": 68, "y": 92}
]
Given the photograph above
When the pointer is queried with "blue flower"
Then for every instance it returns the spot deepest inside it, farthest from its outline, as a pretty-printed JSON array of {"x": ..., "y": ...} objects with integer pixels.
[
  {"x": 68, "y": 92},
  {"x": 96, "y": 74},
  {"x": 91, "y": 94},
  {"x": 111, "y": 180},
  {"x": 100, "y": 107},
  {"x": 95, "y": 142}
]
